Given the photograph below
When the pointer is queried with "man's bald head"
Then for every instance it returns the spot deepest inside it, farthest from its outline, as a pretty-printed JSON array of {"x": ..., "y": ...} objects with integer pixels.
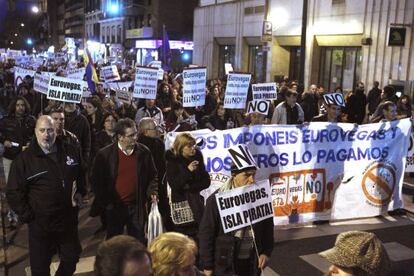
[{"x": 45, "y": 132}]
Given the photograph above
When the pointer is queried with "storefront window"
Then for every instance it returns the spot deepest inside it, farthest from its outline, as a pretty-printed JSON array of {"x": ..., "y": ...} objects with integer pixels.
[
  {"x": 340, "y": 67},
  {"x": 226, "y": 55},
  {"x": 257, "y": 62}
]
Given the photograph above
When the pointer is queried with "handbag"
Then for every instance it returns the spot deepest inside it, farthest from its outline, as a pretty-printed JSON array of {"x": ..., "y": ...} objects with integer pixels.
[
  {"x": 155, "y": 227},
  {"x": 181, "y": 213}
]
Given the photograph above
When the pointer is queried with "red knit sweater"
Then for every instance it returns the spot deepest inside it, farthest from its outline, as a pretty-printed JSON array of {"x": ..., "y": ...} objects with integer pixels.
[{"x": 127, "y": 179}]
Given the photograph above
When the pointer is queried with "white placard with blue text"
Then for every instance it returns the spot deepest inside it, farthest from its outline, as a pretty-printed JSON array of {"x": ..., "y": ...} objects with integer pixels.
[
  {"x": 236, "y": 90},
  {"x": 194, "y": 89},
  {"x": 264, "y": 91},
  {"x": 145, "y": 86}
]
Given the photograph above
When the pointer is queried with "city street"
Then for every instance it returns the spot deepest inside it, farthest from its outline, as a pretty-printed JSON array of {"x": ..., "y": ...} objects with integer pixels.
[{"x": 294, "y": 252}]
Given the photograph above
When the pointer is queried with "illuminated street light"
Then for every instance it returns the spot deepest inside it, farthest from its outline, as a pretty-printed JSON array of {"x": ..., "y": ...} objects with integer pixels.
[
  {"x": 29, "y": 41},
  {"x": 22, "y": 24},
  {"x": 15, "y": 34},
  {"x": 11, "y": 42},
  {"x": 35, "y": 9}
]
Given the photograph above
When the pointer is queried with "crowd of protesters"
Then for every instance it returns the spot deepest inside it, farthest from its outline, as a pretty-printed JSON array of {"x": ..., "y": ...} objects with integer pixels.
[{"x": 105, "y": 148}]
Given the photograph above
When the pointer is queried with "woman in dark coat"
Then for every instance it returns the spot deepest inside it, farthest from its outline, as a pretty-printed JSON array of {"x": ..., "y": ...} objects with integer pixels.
[{"x": 187, "y": 177}]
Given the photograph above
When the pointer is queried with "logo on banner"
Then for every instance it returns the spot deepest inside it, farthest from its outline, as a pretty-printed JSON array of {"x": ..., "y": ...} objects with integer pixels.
[
  {"x": 334, "y": 98},
  {"x": 299, "y": 192},
  {"x": 242, "y": 157},
  {"x": 378, "y": 183}
]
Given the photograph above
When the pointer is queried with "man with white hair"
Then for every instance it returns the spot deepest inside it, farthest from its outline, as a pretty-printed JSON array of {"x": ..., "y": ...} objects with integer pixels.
[{"x": 45, "y": 187}]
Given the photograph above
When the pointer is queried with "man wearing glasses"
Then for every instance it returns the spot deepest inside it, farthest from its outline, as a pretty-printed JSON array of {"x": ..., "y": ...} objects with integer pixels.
[{"x": 125, "y": 178}]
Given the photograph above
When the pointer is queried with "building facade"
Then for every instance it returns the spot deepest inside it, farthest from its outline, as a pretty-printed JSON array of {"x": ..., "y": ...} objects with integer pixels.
[{"x": 347, "y": 40}]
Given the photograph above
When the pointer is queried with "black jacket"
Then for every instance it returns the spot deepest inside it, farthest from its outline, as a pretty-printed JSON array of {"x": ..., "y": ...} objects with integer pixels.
[
  {"x": 355, "y": 107},
  {"x": 105, "y": 173},
  {"x": 213, "y": 241},
  {"x": 18, "y": 130},
  {"x": 76, "y": 123},
  {"x": 187, "y": 185},
  {"x": 40, "y": 188}
]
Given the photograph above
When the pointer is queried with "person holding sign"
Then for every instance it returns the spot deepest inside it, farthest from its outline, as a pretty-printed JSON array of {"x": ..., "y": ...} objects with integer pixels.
[
  {"x": 288, "y": 112},
  {"x": 242, "y": 252},
  {"x": 333, "y": 111}
]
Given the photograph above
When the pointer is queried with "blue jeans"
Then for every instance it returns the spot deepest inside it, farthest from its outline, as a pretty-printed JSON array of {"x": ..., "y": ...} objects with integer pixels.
[{"x": 120, "y": 215}]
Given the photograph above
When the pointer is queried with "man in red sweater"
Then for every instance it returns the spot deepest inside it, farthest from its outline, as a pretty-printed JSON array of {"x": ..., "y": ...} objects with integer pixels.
[{"x": 125, "y": 181}]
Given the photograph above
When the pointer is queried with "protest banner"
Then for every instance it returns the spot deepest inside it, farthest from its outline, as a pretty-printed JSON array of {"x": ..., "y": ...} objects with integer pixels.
[
  {"x": 244, "y": 206},
  {"x": 20, "y": 73},
  {"x": 109, "y": 73},
  {"x": 41, "y": 83},
  {"x": 76, "y": 73},
  {"x": 86, "y": 92},
  {"x": 334, "y": 98},
  {"x": 145, "y": 86},
  {"x": 124, "y": 96},
  {"x": 124, "y": 86},
  {"x": 236, "y": 90},
  {"x": 194, "y": 86},
  {"x": 264, "y": 91},
  {"x": 320, "y": 171},
  {"x": 157, "y": 64},
  {"x": 258, "y": 106},
  {"x": 65, "y": 90}
]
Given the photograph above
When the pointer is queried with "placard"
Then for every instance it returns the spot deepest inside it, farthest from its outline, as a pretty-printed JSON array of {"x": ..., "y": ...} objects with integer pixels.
[
  {"x": 244, "y": 206},
  {"x": 20, "y": 74},
  {"x": 109, "y": 73},
  {"x": 145, "y": 86},
  {"x": 194, "y": 87},
  {"x": 157, "y": 64},
  {"x": 261, "y": 107},
  {"x": 228, "y": 68},
  {"x": 334, "y": 98},
  {"x": 264, "y": 91},
  {"x": 65, "y": 90},
  {"x": 77, "y": 73},
  {"x": 41, "y": 83},
  {"x": 236, "y": 90}
]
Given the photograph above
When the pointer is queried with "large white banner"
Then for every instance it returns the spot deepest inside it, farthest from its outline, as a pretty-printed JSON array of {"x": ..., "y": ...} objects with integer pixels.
[
  {"x": 236, "y": 90},
  {"x": 244, "y": 206},
  {"x": 320, "y": 171},
  {"x": 145, "y": 86},
  {"x": 65, "y": 90},
  {"x": 194, "y": 89}
]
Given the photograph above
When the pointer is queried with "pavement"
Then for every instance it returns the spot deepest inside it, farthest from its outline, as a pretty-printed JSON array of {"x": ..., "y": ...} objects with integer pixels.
[{"x": 295, "y": 251}]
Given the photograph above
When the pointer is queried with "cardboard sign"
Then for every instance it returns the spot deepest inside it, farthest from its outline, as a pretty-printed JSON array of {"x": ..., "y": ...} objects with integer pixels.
[
  {"x": 236, "y": 90},
  {"x": 228, "y": 68},
  {"x": 86, "y": 92},
  {"x": 244, "y": 206},
  {"x": 145, "y": 86},
  {"x": 124, "y": 96},
  {"x": 334, "y": 98},
  {"x": 41, "y": 83},
  {"x": 77, "y": 73},
  {"x": 124, "y": 86},
  {"x": 264, "y": 91},
  {"x": 65, "y": 90},
  {"x": 241, "y": 157},
  {"x": 109, "y": 73},
  {"x": 261, "y": 107},
  {"x": 194, "y": 89}
]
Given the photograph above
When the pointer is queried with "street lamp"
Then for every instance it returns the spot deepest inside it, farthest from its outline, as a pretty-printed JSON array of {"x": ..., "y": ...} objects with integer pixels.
[
  {"x": 15, "y": 34},
  {"x": 35, "y": 9},
  {"x": 22, "y": 24},
  {"x": 29, "y": 41}
]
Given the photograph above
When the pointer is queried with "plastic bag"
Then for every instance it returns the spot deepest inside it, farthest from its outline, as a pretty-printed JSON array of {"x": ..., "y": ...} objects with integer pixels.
[{"x": 155, "y": 227}]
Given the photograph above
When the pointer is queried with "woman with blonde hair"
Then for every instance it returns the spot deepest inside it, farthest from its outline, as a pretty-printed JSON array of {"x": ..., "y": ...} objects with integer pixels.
[
  {"x": 173, "y": 254},
  {"x": 187, "y": 177}
]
